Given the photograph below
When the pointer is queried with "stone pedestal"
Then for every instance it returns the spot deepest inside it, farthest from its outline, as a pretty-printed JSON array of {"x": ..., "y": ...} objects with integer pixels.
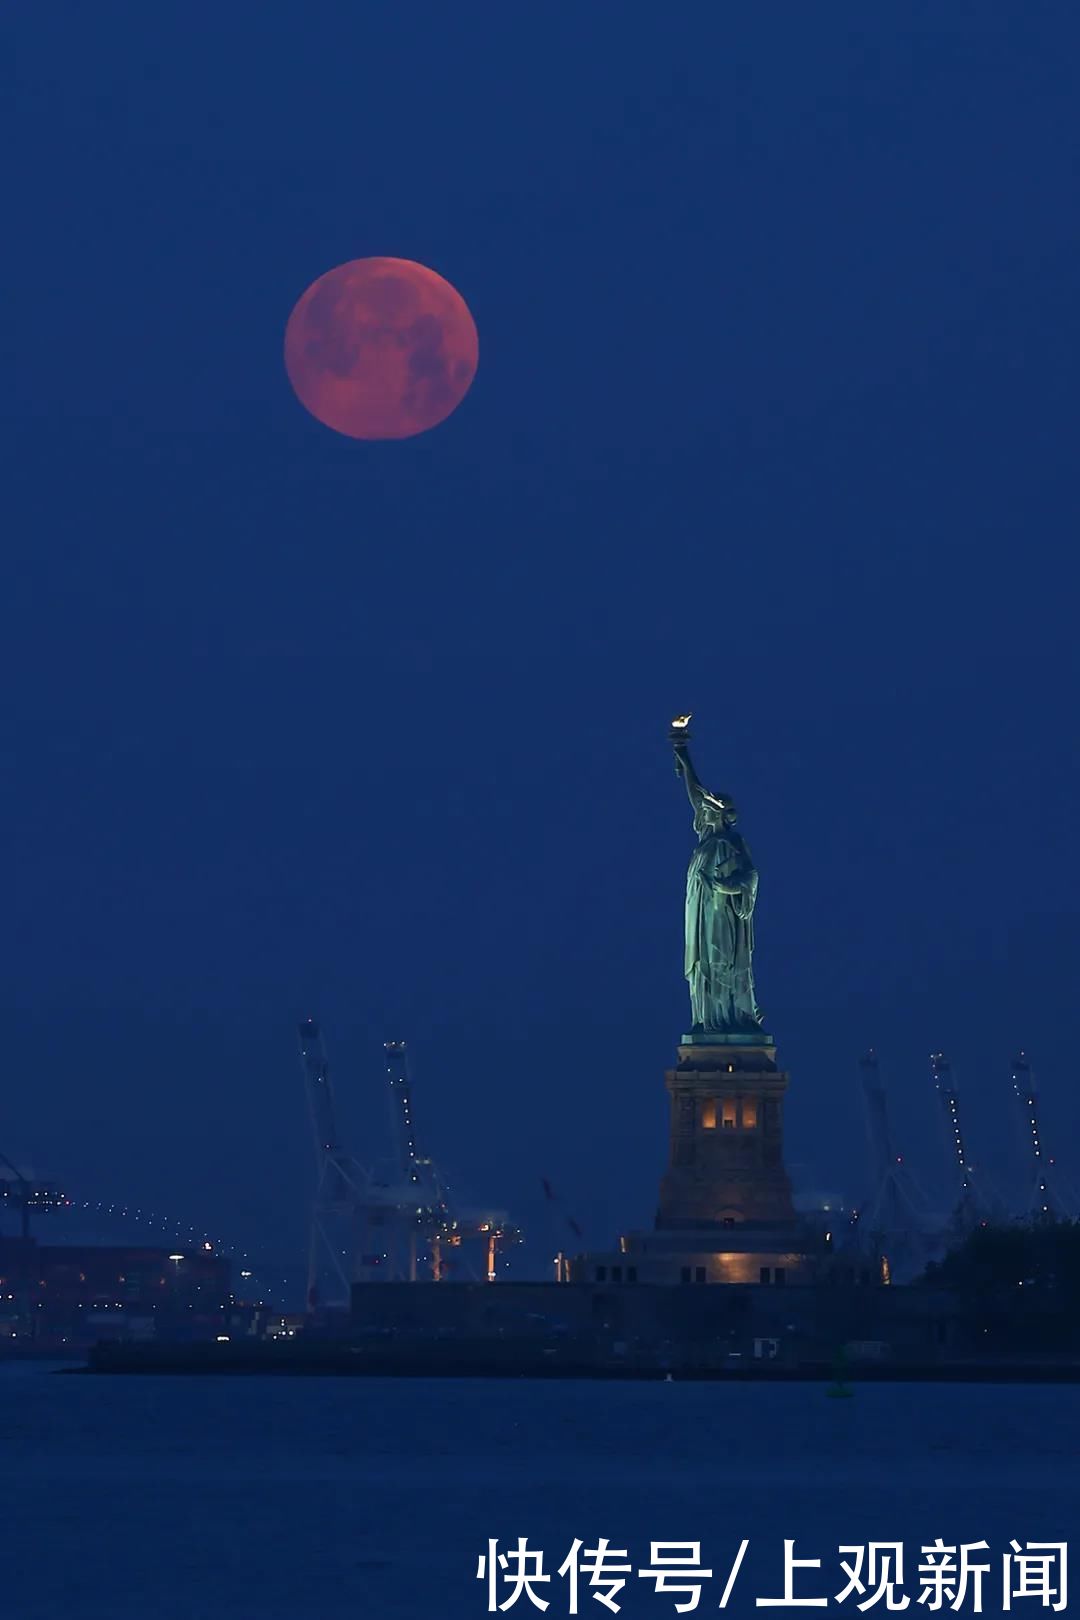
[
  {"x": 725, "y": 1213},
  {"x": 726, "y": 1158}
]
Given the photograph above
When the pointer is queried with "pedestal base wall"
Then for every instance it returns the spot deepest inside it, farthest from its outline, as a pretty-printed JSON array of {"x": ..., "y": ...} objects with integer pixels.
[{"x": 726, "y": 1156}]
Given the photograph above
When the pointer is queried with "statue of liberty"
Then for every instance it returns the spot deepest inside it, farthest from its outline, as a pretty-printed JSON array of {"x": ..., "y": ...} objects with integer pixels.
[{"x": 721, "y": 888}]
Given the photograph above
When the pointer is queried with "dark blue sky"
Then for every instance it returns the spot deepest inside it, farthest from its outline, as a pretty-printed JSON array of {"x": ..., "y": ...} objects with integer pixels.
[{"x": 775, "y": 420}]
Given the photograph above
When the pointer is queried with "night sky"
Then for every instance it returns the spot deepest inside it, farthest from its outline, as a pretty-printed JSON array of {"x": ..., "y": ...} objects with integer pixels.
[{"x": 775, "y": 420}]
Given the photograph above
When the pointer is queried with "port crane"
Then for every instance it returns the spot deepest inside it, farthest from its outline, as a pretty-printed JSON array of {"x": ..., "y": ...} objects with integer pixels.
[
  {"x": 1047, "y": 1199},
  {"x": 426, "y": 1213},
  {"x": 894, "y": 1222},
  {"x": 349, "y": 1212},
  {"x": 361, "y": 1223},
  {"x": 974, "y": 1205},
  {"x": 430, "y": 1212}
]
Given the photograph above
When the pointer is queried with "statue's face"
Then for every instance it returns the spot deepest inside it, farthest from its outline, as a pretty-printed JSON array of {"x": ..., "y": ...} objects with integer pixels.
[{"x": 719, "y": 813}]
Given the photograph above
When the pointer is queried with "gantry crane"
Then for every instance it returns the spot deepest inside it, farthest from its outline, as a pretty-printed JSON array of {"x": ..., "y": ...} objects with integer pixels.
[
  {"x": 1047, "y": 1199},
  {"x": 360, "y": 1224},
  {"x": 428, "y": 1211},
  {"x": 348, "y": 1210},
  {"x": 426, "y": 1214},
  {"x": 974, "y": 1205},
  {"x": 895, "y": 1223}
]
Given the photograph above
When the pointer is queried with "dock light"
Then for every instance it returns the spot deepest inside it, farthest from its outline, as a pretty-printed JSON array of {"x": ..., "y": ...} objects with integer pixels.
[
  {"x": 222, "y": 1338},
  {"x": 176, "y": 1257}
]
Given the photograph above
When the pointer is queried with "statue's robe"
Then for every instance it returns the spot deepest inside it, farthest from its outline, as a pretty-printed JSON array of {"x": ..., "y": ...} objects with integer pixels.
[{"x": 720, "y": 933}]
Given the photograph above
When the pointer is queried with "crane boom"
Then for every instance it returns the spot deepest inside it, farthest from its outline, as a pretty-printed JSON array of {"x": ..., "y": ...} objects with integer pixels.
[
  {"x": 320, "y": 1095},
  {"x": 974, "y": 1204},
  {"x": 397, "y": 1069},
  {"x": 421, "y": 1173},
  {"x": 1046, "y": 1200},
  {"x": 344, "y": 1198},
  {"x": 942, "y": 1076},
  {"x": 894, "y": 1222}
]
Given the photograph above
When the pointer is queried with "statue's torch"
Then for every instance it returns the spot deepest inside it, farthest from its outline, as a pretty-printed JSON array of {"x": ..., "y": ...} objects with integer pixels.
[{"x": 679, "y": 735}]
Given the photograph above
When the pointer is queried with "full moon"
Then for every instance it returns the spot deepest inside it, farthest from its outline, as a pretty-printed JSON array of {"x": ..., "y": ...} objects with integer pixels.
[{"x": 381, "y": 348}]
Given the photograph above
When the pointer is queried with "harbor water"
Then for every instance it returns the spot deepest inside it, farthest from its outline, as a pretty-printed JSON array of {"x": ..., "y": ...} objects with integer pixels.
[{"x": 198, "y": 1498}]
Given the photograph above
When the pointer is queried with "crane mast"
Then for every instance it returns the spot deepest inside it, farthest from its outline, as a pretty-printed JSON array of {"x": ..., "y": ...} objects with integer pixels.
[{"x": 344, "y": 1202}]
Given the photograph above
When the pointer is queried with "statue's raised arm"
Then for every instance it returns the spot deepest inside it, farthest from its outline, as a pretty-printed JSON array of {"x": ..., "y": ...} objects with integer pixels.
[{"x": 680, "y": 739}]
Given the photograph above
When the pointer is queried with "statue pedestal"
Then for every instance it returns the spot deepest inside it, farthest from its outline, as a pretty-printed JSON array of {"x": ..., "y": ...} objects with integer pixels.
[
  {"x": 726, "y": 1213},
  {"x": 726, "y": 1156}
]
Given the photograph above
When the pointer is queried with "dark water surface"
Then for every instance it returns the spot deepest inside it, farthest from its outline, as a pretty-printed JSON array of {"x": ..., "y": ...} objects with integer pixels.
[{"x": 261, "y": 1497}]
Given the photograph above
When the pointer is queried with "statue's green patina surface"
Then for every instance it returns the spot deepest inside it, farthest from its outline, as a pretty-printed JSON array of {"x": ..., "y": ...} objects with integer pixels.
[{"x": 721, "y": 889}]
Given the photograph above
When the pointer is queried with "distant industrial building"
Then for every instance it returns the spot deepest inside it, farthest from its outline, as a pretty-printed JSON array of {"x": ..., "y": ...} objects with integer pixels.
[{"x": 80, "y": 1293}]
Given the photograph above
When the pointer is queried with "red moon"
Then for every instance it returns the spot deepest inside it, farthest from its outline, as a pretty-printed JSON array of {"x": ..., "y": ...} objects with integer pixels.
[{"x": 381, "y": 348}]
